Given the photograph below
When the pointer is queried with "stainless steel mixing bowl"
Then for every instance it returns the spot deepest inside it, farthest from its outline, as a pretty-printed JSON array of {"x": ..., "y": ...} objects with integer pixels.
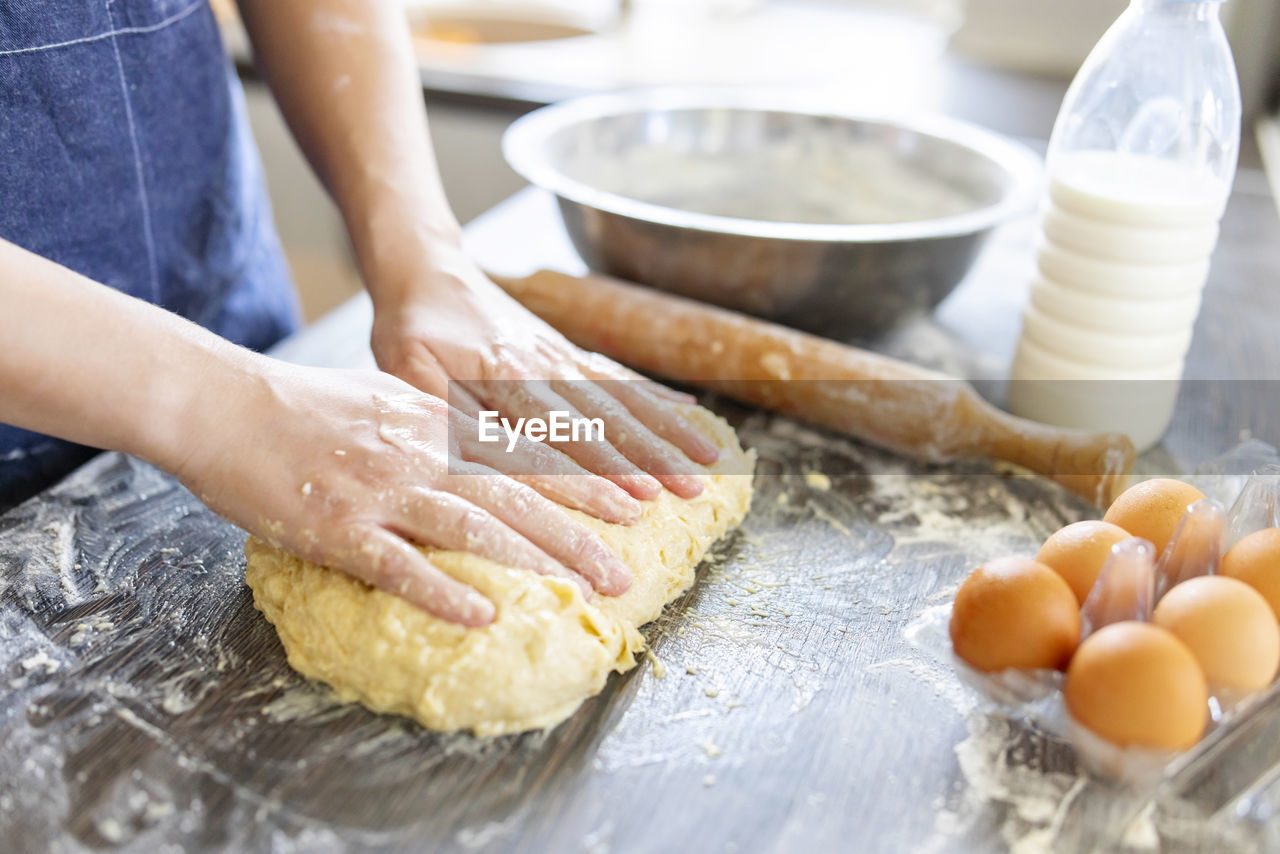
[{"x": 827, "y": 221}]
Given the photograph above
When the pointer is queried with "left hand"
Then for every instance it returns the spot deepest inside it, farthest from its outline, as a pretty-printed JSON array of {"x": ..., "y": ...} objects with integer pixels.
[{"x": 454, "y": 324}]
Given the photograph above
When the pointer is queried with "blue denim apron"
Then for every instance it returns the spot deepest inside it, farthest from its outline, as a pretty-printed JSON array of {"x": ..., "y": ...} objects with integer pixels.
[{"x": 125, "y": 156}]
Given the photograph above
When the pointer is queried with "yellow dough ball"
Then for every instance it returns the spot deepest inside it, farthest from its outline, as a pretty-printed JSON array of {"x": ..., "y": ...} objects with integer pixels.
[
  {"x": 1136, "y": 685},
  {"x": 1255, "y": 560},
  {"x": 1152, "y": 509},
  {"x": 1228, "y": 627},
  {"x": 1078, "y": 551},
  {"x": 1015, "y": 612}
]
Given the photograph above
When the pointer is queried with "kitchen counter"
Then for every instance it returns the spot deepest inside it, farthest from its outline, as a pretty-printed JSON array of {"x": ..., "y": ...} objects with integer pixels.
[{"x": 800, "y": 698}]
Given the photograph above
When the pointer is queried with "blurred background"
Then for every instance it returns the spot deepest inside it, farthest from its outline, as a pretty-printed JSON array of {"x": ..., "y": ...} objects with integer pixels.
[{"x": 1004, "y": 64}]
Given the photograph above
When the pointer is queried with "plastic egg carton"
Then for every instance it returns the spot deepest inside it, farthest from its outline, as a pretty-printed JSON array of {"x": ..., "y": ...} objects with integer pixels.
[{"x": 1233, "y": 772}]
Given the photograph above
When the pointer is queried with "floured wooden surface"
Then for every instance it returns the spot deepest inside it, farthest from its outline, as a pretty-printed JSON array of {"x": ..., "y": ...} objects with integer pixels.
[{"x": 787, "y": 706}]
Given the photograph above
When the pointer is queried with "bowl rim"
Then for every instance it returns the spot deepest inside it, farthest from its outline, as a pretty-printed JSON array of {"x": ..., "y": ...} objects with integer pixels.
[{"x": 523, "y": 147}]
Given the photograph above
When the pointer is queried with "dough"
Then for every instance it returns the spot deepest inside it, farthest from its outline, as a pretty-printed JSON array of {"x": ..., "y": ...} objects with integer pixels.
[{"x": 549, "y": 648}]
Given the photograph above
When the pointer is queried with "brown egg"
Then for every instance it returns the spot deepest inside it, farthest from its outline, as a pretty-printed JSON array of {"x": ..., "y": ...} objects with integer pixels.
[
  {"x": 1152, "y": 509},
  {"x": 1014, "y": 612},
  {"x": 1255, "y": 560},
  {"x": 1078, "y": 551},
  {"x": 1136, "y": 685},
  {"x": 1228, "y": 627}
]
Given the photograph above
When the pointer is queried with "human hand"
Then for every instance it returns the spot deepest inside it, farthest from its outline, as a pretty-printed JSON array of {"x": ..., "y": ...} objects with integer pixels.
[
  {"x": 346, "y": 468},
  {"x": 456, "y": 324}
]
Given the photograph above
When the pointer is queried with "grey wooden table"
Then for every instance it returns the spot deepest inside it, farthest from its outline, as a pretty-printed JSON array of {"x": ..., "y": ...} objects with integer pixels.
[{"x": 800, "y": 697}]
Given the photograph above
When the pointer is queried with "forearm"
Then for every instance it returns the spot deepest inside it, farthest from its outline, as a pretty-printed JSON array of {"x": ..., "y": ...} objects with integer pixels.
[
  {"x": 340, "y": 467},
  {"x": 345, "y": 77},
  {"x": 88, "y": 364}
]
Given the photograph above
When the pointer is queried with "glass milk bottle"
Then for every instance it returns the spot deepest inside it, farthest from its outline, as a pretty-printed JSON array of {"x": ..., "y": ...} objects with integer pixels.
[{"x": 1140, "y": 165}]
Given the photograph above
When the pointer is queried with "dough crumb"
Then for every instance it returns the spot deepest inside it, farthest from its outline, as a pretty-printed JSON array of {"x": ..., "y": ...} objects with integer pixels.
[
  {"x": 776, "y": 364},
  {"x": 710, "y": 748},
  {"x": 110, "y": 830},
  {"x": 709, "y": 780},
  {"x": 817, "y": 480},
  {"x": 659, "y": 669},
  {"x": 42, "y": 661}
]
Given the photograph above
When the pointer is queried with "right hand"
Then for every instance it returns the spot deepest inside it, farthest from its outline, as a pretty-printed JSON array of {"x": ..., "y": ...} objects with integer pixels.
[
  {"x": 348, "y": 468},
  {"x": 445, "y": 327}
]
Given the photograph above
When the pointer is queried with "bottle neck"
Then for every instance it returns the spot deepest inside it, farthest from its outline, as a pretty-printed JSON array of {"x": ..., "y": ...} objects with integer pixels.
[{"x": 1190, "y": 10}]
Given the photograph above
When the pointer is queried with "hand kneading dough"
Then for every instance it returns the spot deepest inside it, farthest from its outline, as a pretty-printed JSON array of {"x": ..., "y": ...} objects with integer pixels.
[{"x": 547, "y": 651}]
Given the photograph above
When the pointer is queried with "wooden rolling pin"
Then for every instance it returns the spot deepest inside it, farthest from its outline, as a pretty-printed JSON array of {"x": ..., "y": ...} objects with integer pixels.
[{"x": 885, "y": 402}]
